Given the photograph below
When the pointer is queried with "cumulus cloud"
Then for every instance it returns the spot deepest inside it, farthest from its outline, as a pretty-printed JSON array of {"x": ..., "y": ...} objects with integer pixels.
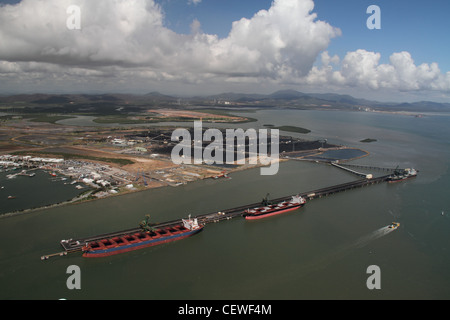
[
  {"x": 362, "y": 68},
  {"x": 126, "y": 41},
  {"x": 284, "y": 39},
  {"x": 35, "y": 30}
]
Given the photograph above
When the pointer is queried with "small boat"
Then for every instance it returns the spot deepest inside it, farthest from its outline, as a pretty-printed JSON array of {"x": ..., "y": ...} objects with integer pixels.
[
  {"x": 11, "y": 197},
  {"x": 394, "y": 225},
  {"x": 221, "y": 175}
]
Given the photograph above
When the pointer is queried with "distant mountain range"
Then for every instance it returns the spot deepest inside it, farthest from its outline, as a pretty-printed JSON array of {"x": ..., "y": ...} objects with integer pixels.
[
  {"x": 280, "y": 99},
  {"x": 292, "y": 98}
]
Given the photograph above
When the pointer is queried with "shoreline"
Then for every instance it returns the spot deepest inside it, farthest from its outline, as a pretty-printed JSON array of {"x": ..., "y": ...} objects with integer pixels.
[
  {"x": 81, "y": 199},
  {"x": 74, "y": 201}
]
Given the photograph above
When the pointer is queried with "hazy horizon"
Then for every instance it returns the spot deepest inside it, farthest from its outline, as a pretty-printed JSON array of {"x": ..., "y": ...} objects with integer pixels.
[{"x": 207, "y": 47}]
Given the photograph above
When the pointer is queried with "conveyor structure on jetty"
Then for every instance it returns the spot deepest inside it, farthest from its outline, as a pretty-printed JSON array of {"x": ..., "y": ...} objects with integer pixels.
[
  {"x": 363, "y": 175},
  {"x": 76, "y": 245}
]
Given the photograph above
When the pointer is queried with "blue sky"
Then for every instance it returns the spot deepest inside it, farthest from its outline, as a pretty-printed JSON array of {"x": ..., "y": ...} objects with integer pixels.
[
  {"x": 139, "y": 46},
  {"x": 216, "y": 16},
  {"x": 419, "y": 27}
]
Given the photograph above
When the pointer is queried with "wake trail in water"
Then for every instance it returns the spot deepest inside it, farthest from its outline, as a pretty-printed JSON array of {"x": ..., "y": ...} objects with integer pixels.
[
  {"x": 306, "y": 268},
  {"x": 323, "y": 261},
  {"x": 362, "y": 242},
  {"x": 358, "y": 244}
]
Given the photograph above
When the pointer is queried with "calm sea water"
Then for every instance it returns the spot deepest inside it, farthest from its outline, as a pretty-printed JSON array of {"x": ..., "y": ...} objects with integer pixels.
[
  {"x": 321, "y": 251},
  {"x": 33, "y": 192}
]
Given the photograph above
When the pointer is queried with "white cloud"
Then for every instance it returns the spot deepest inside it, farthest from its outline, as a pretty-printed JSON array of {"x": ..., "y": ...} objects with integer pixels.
[
  {"x": 362, "y": 69},
  {"x": 131, "y": 32},
  {"x": 282, "y": 41},
  {"x": 126, "y": 42}
]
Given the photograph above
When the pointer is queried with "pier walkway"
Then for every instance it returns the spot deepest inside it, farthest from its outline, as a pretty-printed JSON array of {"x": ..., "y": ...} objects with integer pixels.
[
  {"x": 364, "y": 175},
  {"x": 366, "y": 167},
  {"x": 75, "y": 245}
]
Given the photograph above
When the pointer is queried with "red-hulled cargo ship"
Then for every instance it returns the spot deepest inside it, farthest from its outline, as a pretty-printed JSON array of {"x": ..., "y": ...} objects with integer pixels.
[
  {"x": 268, "y": 210},
  {"x": 135, "y": 241}
]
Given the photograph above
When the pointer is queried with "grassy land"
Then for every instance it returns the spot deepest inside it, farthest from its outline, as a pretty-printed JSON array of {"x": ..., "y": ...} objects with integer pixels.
[
  {"x": 36, "y": 118},
  {"x": 50, "y": 118},
  {"x": 368, "y": 140},
  {"x": 291, "y": 129},
  {"x": 226, "y": 112},
  {"x": 124, "y": 119}
]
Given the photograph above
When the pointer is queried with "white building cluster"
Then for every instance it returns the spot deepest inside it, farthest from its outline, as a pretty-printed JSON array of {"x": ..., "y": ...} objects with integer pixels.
[
  {"x": 92, "y": 174},
  {"x": 18, "y": 160}
]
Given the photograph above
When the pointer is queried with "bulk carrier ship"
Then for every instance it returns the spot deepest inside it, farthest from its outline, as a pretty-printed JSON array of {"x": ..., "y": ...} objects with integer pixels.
[
  {"x": 268, "y": 209},
  {"x": 139, "y": 240},
  {"x": 402, "y": 175}
]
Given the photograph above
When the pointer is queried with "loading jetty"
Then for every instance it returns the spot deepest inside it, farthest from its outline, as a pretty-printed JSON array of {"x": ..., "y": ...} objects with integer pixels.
[
  {"x": 76, "y": 245},
  {"x": 363, "y": 175}
]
